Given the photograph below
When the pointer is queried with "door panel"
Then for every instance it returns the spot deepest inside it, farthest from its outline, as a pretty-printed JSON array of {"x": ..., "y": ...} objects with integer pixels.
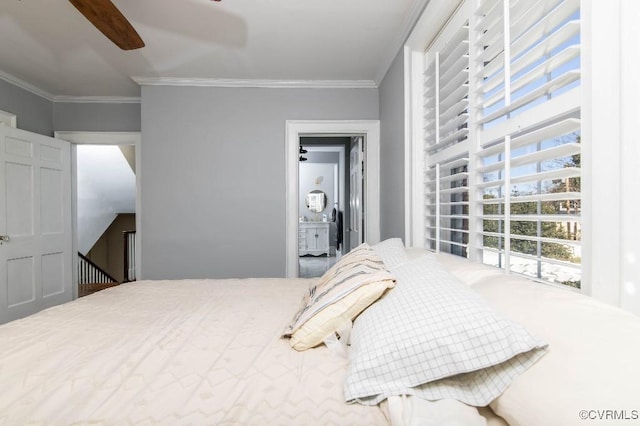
[
  {"x": 53, "y": 274},
  {"x": 356, "y": 230},
  {"x": 51, "y": 201},
  {"x": 35, "y": 214},
  {"x": 20, "y": 281},
  {"x": 19, "y": 203}
]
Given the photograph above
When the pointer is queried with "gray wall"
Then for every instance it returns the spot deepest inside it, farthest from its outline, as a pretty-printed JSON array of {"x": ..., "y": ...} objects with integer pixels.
[
  {"x": 213, "y": 175},
  {"x": 39, "y": 115},
  {"x": 97, "y": 117},
  {"x": 392, "y": 205},
  {"x": 35, "y": 113}
]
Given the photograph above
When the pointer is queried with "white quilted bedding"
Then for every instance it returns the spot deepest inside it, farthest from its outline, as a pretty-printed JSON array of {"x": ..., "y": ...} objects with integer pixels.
[{"x": 172, "y": 352}]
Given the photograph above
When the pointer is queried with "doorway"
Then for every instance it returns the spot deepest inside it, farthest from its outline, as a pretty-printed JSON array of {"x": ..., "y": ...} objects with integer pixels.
[
  {"x": 323, "y": 201},
  {"x": 106, "y": 140},
  {"x": 369, "y": 133}
]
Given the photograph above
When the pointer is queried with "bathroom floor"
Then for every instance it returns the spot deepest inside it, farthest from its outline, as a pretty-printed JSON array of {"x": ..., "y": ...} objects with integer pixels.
[{"x": 316, "y": 266}]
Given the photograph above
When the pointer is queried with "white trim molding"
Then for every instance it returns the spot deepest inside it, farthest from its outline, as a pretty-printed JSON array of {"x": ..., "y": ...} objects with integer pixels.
[
  {"x": 8, "y": 119},
  {"x": 15, "y": 81},
  {"x": 297, "y": 128},
  {"x": 25, "y": 86},
  {"x": 610, "y": 89},
  {"x": 273, "y": 84},
  {"x": 98, "y": 99}
]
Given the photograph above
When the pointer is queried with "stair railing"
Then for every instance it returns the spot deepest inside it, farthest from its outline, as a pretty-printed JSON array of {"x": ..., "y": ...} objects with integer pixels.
[
  {"x": 90, "y": 273},
  {"x": 129, "y": 255},
  {"x": 91, "y": 277}
]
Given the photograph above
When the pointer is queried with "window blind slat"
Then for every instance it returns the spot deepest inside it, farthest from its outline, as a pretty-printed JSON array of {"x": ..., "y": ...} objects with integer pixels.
[
  {"x": 485, "y": 6},
  {"x": 542, "y": 90},
  {"x": 558, "y": 128},
  {"x": 551, "y": 196},
  {"x": 453, "y": 124},
  {"x": 453, "y": 85},
  {"x": 536, "y": 218},
  {"x": 454, "y": 203},
  {"x": 564, "y": 173},
  {"x": 544, "y": 48},
  {"x": 453, "y": 111},
  {"x": 559, "y": 151},
  {"x": 556, "y": 152},
  {"x": 449, "y": 71},
  {"x": 454, "y": 177},
  {"x": 547, "y": 22},
  {"x": 546, "y": 68},
  {"x": 537, "y": 73},
  {"x": 547, "y": 240},
  {"x": 456, "y": 47}
]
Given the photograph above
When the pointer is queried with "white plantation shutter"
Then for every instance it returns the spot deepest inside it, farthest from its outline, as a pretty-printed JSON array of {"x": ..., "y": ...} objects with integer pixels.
[
  {"x": 502, "y": 133},
  {"x": 447, "y": 139}
]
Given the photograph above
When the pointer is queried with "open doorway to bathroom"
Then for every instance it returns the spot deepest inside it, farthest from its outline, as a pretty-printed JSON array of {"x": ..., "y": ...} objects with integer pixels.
[
  {"x": 369, "y": 130},
  {"x": 330, "y": 200}
]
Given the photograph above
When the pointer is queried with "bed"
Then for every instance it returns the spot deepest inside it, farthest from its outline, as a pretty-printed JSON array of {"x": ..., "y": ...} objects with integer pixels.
[
  {"x": 213, "y": 352},
  {"x": 172, "y": 352}
]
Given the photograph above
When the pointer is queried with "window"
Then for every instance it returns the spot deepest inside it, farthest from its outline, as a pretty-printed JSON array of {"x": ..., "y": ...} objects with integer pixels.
[{"x": 502, "y": 137}]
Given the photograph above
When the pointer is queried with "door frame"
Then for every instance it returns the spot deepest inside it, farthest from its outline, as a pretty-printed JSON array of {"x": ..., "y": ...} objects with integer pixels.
[
  {"x": 103, "y": 138},
  {"x": 297, "y": 128}
]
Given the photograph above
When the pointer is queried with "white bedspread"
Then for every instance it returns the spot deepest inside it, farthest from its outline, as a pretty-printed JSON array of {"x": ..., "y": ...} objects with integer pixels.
[{"x": 172, "y": 352}]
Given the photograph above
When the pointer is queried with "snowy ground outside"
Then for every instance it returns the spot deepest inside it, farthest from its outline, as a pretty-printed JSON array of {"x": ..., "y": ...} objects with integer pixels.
[{"x": 549, "y": 271}]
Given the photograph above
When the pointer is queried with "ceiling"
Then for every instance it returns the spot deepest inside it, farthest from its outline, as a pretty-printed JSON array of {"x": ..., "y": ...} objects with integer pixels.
[{"x": 49, "y": 47}]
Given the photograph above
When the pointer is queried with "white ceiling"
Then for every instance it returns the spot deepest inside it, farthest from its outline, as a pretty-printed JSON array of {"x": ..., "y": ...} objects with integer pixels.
[{"x": 50, "y": 47}]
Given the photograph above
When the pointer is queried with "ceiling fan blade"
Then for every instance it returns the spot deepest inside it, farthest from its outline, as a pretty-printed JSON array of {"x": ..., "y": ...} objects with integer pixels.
[{"x": 111, "y": 22}]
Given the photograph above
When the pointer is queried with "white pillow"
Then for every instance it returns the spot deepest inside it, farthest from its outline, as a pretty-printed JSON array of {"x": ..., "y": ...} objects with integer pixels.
[
  {"x": 593, "y": 360},
  {"x": 392, "y": 252},
  {"x": 357, "y": 280},
  {"x": 435, "y": 338}
]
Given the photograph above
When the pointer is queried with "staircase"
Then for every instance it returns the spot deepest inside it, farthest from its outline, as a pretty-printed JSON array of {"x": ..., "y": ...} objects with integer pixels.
[{"x": 91, "y": 277}]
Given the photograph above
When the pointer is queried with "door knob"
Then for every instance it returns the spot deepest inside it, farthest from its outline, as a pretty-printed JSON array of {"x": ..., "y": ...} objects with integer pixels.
[{"x": 4, "y": 238}]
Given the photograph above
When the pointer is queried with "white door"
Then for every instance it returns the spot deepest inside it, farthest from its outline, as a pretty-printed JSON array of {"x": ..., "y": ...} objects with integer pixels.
[
  {"x": 35, "y": 223},
  {"x": 356, "y": 216}
]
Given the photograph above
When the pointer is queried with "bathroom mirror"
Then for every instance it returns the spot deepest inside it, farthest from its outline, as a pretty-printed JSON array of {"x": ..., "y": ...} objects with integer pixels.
[{"x": 316, "y": 201}]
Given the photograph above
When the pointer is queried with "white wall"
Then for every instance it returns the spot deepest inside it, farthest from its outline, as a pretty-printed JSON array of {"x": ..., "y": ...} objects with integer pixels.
[{"x": 106, "y": 186}]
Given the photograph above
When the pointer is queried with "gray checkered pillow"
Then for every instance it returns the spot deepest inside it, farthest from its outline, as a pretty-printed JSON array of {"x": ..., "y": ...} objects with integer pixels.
[
  {"x": 392, "y": 252},
  {"x": 435, "y": 338}
]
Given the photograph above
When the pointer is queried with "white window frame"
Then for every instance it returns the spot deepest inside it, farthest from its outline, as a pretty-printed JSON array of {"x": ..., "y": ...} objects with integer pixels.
[{"x": 610, "y": 92}]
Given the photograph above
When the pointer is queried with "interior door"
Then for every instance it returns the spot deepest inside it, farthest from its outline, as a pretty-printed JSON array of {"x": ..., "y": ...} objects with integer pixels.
[
  {"x": 35, "y": 223},
  {"x": 356, "y": 171}
]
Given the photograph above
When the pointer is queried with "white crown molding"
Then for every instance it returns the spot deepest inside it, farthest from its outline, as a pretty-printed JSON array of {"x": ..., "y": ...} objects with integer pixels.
[
  {"x": 11, "y": 79},
  {"x": 26, "y": 86},
  {"x": 412, "y": 17},
  {"x": 277, "y": 84},
  {"x": 98, "y": 99}
]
